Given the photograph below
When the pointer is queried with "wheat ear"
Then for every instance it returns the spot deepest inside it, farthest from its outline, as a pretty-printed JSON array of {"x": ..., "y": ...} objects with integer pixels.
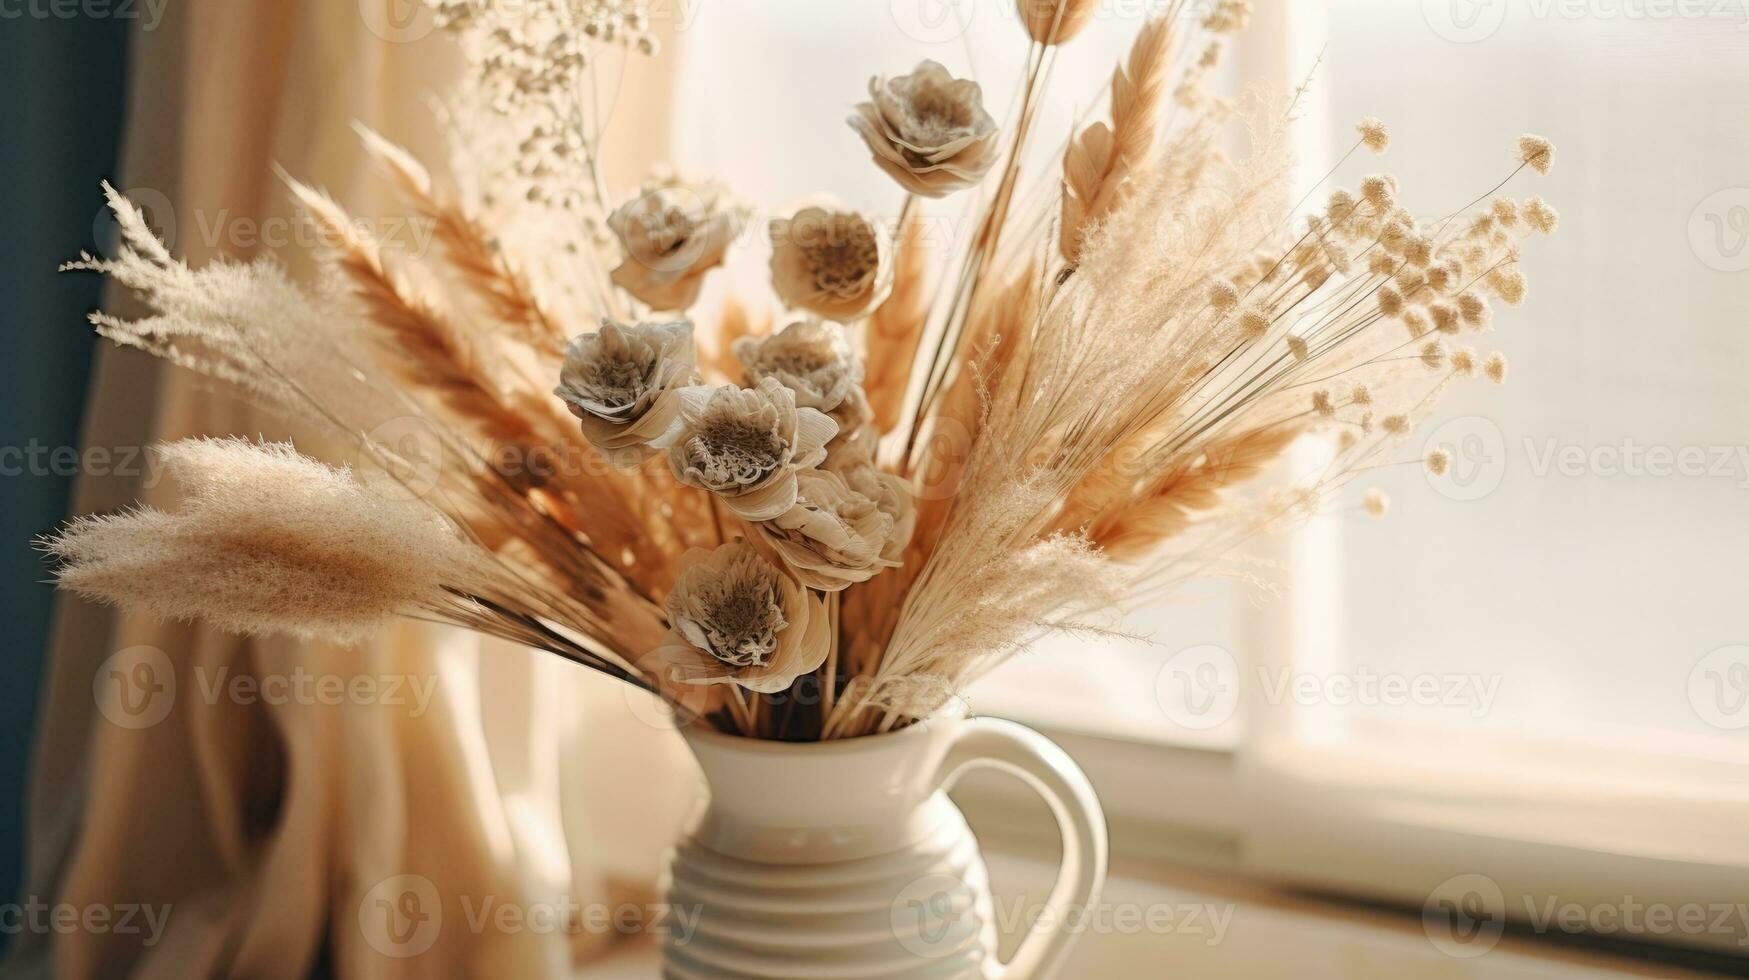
[
  {"x": 481, "y": 266},
  {"x": 896, "y": 327},
  {"x": 1129, "y": 529},
  {"x": 1101, "y": 158},
  {"x": 424, "y": 348}
]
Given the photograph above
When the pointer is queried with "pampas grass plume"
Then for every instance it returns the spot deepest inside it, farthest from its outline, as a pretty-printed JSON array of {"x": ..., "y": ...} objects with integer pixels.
[{"x": 270, "y": 541}]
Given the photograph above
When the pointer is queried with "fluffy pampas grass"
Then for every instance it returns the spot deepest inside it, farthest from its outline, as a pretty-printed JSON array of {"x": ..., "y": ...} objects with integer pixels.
[{"x": 267, "y": 540}]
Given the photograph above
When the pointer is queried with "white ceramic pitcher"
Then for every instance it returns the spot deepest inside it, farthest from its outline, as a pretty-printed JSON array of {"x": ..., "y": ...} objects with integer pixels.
[{"x": 847, "y": 859}]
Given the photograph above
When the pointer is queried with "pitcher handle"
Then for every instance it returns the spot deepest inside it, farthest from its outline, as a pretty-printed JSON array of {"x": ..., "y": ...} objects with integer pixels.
[{"x": 1038, "y": 762}]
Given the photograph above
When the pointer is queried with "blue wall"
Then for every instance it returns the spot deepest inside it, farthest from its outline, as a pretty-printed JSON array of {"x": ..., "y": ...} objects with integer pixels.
[{"x": 62, "y": 88}]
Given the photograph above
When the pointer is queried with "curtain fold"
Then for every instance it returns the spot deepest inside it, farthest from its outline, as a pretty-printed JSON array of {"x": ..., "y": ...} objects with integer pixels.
[{"x": 283, "y": 835}]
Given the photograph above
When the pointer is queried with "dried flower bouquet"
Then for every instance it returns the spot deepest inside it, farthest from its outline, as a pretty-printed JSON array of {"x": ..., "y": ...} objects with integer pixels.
[{"x": 828, "y": 526}]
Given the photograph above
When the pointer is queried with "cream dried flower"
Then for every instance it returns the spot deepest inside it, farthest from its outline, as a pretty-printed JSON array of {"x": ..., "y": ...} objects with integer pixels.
[
  {"x": 837, "y": 264},
  {"x": 1374, "y": 133},
  {"x": 1055, "y": 21},
  {"x": 892, "y": 495},
  {"x": 623, "y": 384},
  {"x": 1376, "y": 502},
  {"x": 928, "y": 130},
  {"x": 673, "y": 233},
  {"x": 738, "y": 619},
  {"x": 745, "y": 445},
  {"x": 1495, "y": 368},
  {"x": 1536, "y": 152},
  {"x": 834, "y": 536},
  {"x": 809, "y": 357},
  {"x": 857, "y": 440}
]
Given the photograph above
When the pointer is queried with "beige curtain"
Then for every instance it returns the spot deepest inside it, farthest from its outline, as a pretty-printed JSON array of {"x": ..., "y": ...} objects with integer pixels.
[{"x": 282, "y": 827}]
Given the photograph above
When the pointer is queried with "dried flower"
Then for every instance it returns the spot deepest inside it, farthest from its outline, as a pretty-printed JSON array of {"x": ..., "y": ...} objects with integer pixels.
[
  {"x": 1222, "y": 296},
  {"x": 1416, "y": 321},
  {"x": 673, "y": 233},
  {"x": 893, "y": 497},
  {"x": 1253, "y": 323},
  {"x": 1505, "y": 211},
  {"x": 270, "y": 541},
  {"x": 1361, "y": 395},
  {"x": 928, "y": 130},
  {"x": 1055, "y": 21},
  {"x": 1495, "y": 368},
  {"x": 738, "y": 619},
  {"x": 1537, "y": 152},
  {"x": 834, "y": 263},
  {"x": 834, "y": 536},
  {"x": 1380, "y": 190},
  {"x": 1322, "y": 403},
  {"x": 1340, "y": 207},
  {"x": 1438, "y": 461},
  {"x": 1395, "y": 425},
  {"x": 745, "y": 445},
  {"x": 623, "y": 384},
  {"x": 1228, "y": 17},
  {"x": 809, "y": 357},
  {"x": 1472, "y": 309},
  {"x": 1376, "y": 502},
  {"x": 1374, "y": 134},
  {"x": 1445, "y": 317},
  {"x": 1433, "y": 354},
  {"x": 1463, "y": 362},
  {"x": 1508, "y": 284},
  {"x": 1390, "y": 301},
  {"x": 1296, "y": 346},
  {"x": 1540, "y": 216}
]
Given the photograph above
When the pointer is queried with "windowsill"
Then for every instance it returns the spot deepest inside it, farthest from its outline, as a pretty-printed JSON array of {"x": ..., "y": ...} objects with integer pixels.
[{"x": 1223, "y": 928}]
